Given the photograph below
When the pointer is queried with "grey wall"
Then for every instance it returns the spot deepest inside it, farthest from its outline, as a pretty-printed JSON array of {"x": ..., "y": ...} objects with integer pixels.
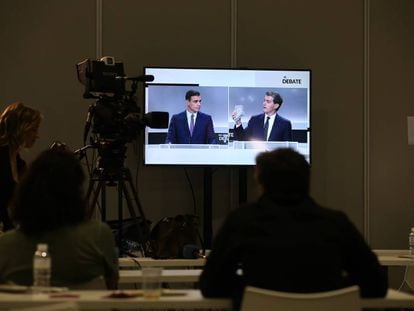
[
  {"x": 391, "y": 159},
  {"x": 360, "y": 53}
]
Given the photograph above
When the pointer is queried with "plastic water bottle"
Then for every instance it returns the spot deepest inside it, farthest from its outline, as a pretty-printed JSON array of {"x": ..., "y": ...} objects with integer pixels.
[
  {"x": 42, "y": 266},
  {"x": 411, "y": 241}
]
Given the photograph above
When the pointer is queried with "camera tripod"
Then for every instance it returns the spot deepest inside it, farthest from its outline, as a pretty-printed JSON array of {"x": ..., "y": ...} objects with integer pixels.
[{"x": 121, "y": 178}]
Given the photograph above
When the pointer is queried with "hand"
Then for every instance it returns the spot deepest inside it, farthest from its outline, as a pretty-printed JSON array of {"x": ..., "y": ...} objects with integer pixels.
[{"x": 236, "y": 117}]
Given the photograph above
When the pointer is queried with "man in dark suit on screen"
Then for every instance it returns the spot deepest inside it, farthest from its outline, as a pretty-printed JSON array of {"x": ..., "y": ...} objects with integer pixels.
[
  {"x": 267, "y": 126},
  {"x": 191, "y": 126}
]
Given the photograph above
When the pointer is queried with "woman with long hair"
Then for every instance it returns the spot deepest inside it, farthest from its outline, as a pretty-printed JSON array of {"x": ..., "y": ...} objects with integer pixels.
[{"x": 19, "y": 126}]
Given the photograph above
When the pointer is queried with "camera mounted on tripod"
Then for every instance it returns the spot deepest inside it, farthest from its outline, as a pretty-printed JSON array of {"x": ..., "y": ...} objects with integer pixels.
[
  {"x": 115, "y": 115},
  {"x": 115, "y": 119}
]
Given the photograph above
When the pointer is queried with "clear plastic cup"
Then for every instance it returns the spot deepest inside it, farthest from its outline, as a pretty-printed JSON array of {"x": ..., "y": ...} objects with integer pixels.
[{"x": 151, "y": 282}]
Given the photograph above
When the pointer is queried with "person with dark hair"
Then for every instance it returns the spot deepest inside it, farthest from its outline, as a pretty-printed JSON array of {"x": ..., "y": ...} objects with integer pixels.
[
  {"x": 191, "y": 126},
  {"x": 19, "y": 126},
  {"x": 267, "y": 126},
  {"x": 50, "y": 207},
  {"x": 285, "y": 241}
]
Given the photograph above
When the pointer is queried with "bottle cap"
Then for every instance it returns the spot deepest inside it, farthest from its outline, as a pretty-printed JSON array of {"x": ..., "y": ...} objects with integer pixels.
[{"x": 42, "y": 247}]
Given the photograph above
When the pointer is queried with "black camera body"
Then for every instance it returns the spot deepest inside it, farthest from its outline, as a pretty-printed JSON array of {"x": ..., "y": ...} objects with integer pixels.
[
  {"x": 101, "y": 77},
  {"x": 116, "y": 118},
  {"x": 115, "y": 114}
]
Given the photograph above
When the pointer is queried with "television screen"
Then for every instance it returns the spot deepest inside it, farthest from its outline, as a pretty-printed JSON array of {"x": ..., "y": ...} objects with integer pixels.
[{"x": 219, "y": 116}]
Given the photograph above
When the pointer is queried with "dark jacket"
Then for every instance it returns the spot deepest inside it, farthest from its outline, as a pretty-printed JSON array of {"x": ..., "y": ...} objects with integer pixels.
[
  {"x": 179, "y": 133},
  {"x": 7, "y": 184},
  {"x": 298, "y": 248},
  {"x": 281, "y": 130}
]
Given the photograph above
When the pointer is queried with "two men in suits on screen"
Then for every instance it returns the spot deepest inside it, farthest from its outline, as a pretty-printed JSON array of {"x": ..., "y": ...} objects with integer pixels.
[{"x": 195, "y": 127}]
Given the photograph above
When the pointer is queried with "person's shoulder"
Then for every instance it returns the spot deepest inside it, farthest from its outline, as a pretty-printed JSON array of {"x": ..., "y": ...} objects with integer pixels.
[
  {"x": 257, "y": 116},
  {"x": 245, "y": 211},
  {"x": 179, "y": 115},
  {"x": 10, "y": 237},
  {"x": 282, "y": 119},
  {"x": 95, "y": 224},
  {"x": 327, "y": 212},
  {"x": 256, "y": 119},
  {"x": 96, "y": 230},
  {"x": 238, "y": 219},
  {"x": 92, "y": 227},
  {"x": 204, "y": 115}
]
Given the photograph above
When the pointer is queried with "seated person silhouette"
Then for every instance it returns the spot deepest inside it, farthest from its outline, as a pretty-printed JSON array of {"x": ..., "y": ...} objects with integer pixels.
[
  {"x": 49, "y": 207},
  {"x": 285, "y": 241}
]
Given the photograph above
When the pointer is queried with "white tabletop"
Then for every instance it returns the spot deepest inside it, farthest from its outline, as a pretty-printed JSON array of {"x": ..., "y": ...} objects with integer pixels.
[
  {"x": 89, "y": 300},
  {"x": 167, "y": 276},
  {"x": 386, "y": 252},
  {"x": 394, "y": 257},
  {"x": 171, "y": 299}
]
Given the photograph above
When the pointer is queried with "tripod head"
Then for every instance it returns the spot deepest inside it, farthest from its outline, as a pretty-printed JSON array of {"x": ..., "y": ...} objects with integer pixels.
[{"x": 111, "y": 157}]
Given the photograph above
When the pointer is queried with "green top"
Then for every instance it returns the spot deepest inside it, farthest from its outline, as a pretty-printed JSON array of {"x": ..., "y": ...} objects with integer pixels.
[{"x": 79, "y": 254}]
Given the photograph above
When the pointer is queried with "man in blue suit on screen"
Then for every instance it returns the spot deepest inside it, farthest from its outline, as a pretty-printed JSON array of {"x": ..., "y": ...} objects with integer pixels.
[
  {"x": 267, "y": 126},
  {"x": 191, "y": 126}
]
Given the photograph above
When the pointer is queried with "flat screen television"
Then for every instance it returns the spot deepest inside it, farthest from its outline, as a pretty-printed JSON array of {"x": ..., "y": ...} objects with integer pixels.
[{"x": 225, "y": 94}]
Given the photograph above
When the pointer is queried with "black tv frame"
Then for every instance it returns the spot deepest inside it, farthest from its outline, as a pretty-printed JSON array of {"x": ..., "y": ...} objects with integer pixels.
[{"x": 171, "y": 81}]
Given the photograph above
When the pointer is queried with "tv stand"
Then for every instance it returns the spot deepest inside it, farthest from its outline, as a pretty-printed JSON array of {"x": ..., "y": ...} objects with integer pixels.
[
  {"x": 208, "y": 208},
  {"x": 208, "y": 202}
]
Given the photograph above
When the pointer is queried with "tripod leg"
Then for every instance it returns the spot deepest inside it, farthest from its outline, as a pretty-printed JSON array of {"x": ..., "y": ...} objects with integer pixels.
[
  {"x": 120, "y": 189},
  {"x": 102, "y": 186},
  {"x": 143, "y": 235},
  {"x": 136, "y": 198},
  {"x": 92, "y": 204}
]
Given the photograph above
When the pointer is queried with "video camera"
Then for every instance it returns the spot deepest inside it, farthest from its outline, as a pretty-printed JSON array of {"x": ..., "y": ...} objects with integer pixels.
[{"x": 115, "y": 115}]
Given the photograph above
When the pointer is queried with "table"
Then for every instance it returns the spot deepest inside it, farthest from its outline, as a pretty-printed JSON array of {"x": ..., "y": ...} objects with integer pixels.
[
  {"x": 97, "y": 300},
  {"x": 394, "y": 299},
  {"x": 173, "y": 299},
  {"x": 387, "y": 257},
  {"x": 138, "y": 262},
  {"x": 394, "y": 257},
  {"x": 167, "y": 276}
]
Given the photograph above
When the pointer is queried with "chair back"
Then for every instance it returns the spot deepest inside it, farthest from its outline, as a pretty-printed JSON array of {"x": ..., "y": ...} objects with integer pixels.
[
  {"x": 345, "y": 299},
  {"x": 408, "y": 282}
]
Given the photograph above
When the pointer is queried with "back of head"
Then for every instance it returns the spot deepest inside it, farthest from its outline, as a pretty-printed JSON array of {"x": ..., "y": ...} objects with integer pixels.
[
  {"x": 284, "y": 174},
  {"x": 15, "y": 122},
  {"x": 51, "y": 193}
]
